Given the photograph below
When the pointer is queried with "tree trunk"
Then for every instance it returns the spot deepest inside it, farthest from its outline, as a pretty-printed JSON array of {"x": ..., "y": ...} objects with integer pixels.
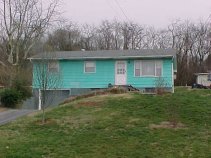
[{"x": 43, "y": 115}]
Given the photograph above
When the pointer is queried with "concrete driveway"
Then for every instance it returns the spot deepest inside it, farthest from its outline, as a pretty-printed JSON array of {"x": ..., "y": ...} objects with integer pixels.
[{"x": 10, "y": 115}]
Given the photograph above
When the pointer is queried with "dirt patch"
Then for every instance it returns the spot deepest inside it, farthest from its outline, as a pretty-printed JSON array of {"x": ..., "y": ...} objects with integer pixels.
[
  {"x": 206, "y": 95},
  {"x": 3, "y": 109},
  {"x": 101, "y": 98},
  {"x": 96, "y": 101},
  {"x": 168, "y": 125},
  {"x": 47, "y": 122},
  {"x": 124, "y": 95},
  {"x": 114, "y": 92},
  {"x": 89, "y": 104},
  {"x": 76, "y": 122},
  {"x": 188, "y": 88},
  {"x": 131, "y": 120},
  {"x": 114, "y": 113}
]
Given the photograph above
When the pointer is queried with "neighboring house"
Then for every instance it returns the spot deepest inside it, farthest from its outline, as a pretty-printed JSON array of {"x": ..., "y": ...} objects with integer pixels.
[
  {"x": 203, "y": 79},
  {"x": 82, "y": 71}
]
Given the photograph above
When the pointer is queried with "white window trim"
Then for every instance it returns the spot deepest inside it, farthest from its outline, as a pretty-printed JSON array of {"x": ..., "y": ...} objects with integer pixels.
[
  {"x": 141, "y": 75},
  {"x": 58, "y": 67},
  {"x": 85, "y": 67},
  {"x": 135, "y": 68}
]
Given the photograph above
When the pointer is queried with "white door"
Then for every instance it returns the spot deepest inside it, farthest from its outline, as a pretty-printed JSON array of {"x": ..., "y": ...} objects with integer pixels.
[{"x": 121, "y": 73}]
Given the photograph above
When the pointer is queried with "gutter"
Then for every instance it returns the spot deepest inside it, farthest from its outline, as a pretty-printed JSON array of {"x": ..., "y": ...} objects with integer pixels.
[{"x": 123, "y": 57}]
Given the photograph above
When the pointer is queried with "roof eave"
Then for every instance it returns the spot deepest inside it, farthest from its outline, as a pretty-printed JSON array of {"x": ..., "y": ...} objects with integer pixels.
[{"x": 123, "y": 57}]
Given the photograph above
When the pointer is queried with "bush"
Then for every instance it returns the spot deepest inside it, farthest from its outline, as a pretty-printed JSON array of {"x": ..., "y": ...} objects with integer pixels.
[
  {"x": 24, "y": 91},
  {"x": 161, "y": 86},
  {"x": 10, "y": 98},
  {"x": 117, "y": 90}
]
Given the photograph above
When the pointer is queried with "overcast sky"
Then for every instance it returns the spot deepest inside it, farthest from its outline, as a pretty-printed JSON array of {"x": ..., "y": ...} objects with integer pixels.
[{"x": 158, "y": 13}]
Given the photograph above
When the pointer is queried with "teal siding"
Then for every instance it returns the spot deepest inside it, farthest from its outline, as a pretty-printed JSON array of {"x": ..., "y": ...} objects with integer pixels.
[
  {"x": 143, "y": 82},
  {"x": 73, "y": 76},
  {"x": 37, "y": 73},
  {"x": 42, "y": 78}
]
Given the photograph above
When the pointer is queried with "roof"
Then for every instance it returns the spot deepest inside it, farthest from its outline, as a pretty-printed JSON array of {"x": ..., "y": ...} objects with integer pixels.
[{"x": 106, "y": 54}]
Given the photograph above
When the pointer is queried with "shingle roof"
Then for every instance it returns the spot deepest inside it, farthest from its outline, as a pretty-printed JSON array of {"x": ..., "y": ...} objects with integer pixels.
[{"x": 107, "y": 54}]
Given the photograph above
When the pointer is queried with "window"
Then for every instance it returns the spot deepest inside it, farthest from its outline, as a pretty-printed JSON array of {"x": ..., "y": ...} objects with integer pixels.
[
  {"x": 158, "y": 68},
  {"x": 137, "y": 68},
  {"x": 121, "y": 67},
  {"x": 53, "y": 66},
  {"x": 89, "y": 67},
  {"x": 148, "y": 68}
]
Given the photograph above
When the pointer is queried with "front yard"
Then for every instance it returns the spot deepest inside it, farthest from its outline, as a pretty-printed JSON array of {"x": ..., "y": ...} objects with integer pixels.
[{"x": 121, "y": 125}]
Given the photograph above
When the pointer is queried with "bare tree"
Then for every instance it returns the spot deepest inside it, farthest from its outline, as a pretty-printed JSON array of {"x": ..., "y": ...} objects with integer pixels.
[
  {"x": 151, "y": 39},
  {"x": 88, "y": 37},
  {"x": 47, "y": 76},
  {"x": 67, "y": 37},
  {"x": 191, "y": 40},
  {"x": 117, "y": 40},
  {"x": 126, "y": 33},
  {"x": 105, "y": 32},
  {"x": 203, "y": 47},
  {"x": 23, "y": 24},
  {"x": 137, "y": 34}
]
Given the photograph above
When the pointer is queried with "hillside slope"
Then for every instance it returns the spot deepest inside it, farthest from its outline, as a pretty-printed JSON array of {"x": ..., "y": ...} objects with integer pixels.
[{"x": 122, "y": 125}]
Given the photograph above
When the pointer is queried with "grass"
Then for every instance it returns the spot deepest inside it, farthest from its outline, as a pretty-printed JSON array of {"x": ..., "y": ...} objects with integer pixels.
[{"x": 116, "y": 126}]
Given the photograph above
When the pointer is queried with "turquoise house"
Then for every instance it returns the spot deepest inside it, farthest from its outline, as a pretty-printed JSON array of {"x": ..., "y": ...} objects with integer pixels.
[{"x": 82, "y": 71}]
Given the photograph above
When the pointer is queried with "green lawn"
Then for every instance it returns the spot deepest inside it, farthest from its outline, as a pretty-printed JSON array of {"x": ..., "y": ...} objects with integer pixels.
[{"x": 116, "y": 126}]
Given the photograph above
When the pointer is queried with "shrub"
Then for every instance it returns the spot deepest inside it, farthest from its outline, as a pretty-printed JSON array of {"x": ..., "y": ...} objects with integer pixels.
[
  {"x": 117, "y": 90},
  {"x": 24, "y": 91},
  {"x": 10, "y": 98},
  {"x": 160, "y": 85}
]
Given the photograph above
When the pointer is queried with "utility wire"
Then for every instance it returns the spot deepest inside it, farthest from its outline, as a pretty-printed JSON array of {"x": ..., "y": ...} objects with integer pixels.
[
  {"x": 208, "y": 19},
  {"x": 109, "y": 4},
  {"x": 123, "y": 12}
]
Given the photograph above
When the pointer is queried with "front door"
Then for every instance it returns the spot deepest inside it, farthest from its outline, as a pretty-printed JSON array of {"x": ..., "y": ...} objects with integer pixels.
[{"x": 121, "y": 73}]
